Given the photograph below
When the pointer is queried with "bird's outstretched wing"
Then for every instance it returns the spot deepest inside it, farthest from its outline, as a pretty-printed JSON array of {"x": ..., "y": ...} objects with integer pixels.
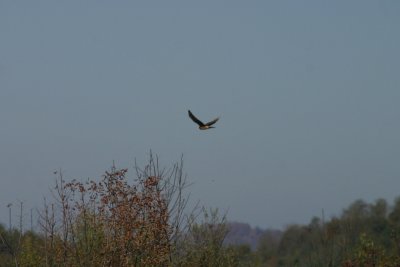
[
  {"x": 196, "y": 120},
  {"x": 212, "y": 122}
]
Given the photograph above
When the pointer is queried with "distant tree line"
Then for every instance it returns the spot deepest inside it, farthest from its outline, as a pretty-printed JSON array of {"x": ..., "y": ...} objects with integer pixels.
[{"x": 365, "y": 234}]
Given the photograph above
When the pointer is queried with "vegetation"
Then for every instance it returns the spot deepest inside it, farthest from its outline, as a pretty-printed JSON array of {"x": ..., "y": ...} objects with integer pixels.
[
  {"x": 364, "y": 235},
  {"x": 144, "y": 221},
  {"x": 119, "y": 221}
]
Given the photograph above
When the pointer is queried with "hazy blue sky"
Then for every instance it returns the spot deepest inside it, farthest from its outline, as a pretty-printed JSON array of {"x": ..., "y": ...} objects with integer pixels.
[{"x": 308, "y": 93}]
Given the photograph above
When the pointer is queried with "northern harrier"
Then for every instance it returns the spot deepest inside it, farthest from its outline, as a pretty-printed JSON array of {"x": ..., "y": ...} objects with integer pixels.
[{"x": 202, "y": 126}]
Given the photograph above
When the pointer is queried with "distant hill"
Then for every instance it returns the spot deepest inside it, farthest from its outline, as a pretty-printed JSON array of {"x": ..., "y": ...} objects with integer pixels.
[{"x": 243, "y": 233}]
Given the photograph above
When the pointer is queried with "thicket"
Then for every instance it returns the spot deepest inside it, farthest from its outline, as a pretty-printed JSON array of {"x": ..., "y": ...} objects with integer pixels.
[
  {"x": 145, "y": 221},
  {"x": 121, "y": 221}
]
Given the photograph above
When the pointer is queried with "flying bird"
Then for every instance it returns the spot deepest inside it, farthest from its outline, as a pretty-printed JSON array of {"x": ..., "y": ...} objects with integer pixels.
[{"x": 202, "y": 126}]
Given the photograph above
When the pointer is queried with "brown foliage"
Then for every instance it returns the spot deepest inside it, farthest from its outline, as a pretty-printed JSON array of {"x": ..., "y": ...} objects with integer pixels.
[{"x": 114, "y": 222}]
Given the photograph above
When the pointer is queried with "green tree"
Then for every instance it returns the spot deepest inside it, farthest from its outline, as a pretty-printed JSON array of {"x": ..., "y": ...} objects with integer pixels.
[
  {"x": 268, "y": 247},
  {"x": 202, "y": 245}
]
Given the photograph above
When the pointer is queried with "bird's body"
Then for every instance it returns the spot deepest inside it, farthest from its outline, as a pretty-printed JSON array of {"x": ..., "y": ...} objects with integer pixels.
[{"x": 202, "y": 126}]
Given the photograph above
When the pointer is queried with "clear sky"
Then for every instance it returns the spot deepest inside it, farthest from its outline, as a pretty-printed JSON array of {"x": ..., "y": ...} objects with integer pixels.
[{"x": 308, "y": 93}]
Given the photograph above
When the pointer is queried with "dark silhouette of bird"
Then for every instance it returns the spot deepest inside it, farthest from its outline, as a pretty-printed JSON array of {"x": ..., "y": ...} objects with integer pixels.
[{"x": 202, "y": 126}]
